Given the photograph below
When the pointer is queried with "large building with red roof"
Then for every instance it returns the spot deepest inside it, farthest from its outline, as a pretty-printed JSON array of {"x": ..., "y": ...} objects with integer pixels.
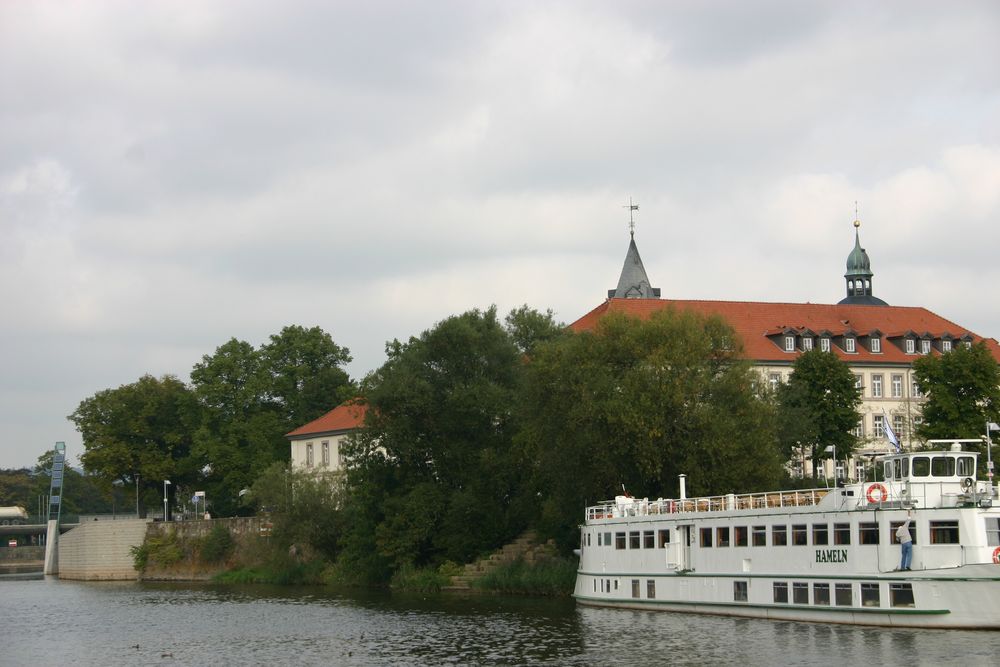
[
  {"x": 878, "y": 341},
  {"x": 318, "y": 445}
]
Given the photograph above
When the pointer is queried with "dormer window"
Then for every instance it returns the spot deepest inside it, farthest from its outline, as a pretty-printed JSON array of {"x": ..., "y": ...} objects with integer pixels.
[
  {"x": 807, "y": 343},
  {"x": 876, "y": 345},
  {"x": 789, "y": 343},
  {"x": 946, "y": 346},
  {"x": 911, "y": 346},
  {"x": 925, "y": 347},
  {"x": 824, "y": 344},
  {"x": 967, "y": 344},
  {"x": 849, "y": 345}
]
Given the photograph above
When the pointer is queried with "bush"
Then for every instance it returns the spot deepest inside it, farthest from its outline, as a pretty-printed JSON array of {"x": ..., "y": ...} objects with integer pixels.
[
  {"x": 216, "y": 546},
  {"x": 424, "y": 579},
  {"x": 553, "y": 576},
  {"x": 161, "y": 551}
]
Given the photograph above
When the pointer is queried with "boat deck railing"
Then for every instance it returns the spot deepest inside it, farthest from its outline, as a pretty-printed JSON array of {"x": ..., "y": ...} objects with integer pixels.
[{"x": 624, "y": 507}]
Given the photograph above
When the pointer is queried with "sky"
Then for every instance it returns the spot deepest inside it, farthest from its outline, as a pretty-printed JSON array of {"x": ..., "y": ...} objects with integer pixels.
[{"x": 177, "y": 174}]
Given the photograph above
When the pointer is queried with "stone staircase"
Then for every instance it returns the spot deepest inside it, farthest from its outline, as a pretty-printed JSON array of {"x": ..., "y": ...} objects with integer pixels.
[{"x": 527, "y": 547}]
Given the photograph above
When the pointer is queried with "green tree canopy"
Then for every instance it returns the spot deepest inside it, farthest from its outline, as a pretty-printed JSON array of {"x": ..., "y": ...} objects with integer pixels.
[
  {"x": 636, "y": 403},
  {"x": 963, "y": 392},
  {"x": 818, "y": 406},
  {"x": 434, "y": 463},
  {"x": 140, "y": 432}
]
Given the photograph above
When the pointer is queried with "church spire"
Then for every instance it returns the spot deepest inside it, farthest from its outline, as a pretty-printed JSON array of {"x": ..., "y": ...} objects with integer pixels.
[
  {"x": 633, "y": 282},
  {"x": 859, "y": 273}
]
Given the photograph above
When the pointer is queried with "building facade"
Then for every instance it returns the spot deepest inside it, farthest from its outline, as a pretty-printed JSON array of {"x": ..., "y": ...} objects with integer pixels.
[
  {"x": 318, "y": 445},
  {"x": 878, "y": 342}
]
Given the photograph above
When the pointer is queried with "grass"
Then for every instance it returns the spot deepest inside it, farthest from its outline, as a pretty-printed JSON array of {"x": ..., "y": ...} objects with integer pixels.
[
  {"x": 551, "y": 577},
  {"x": 424, "y": 579}
]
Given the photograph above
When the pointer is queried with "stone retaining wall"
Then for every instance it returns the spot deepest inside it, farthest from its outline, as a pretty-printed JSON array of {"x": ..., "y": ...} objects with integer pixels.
[{"x": 100, "y": 550}]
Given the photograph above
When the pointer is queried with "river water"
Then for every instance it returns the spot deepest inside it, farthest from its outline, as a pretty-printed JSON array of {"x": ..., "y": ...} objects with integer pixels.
[{"x": 52, "y": 622}]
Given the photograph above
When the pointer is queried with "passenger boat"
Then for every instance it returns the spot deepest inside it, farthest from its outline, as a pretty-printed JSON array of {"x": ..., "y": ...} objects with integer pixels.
[{"x": 824, "y": 555}]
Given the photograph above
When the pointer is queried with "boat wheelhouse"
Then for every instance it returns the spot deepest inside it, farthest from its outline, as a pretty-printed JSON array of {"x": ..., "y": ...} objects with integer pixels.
[{"x": 828, "y": 555}]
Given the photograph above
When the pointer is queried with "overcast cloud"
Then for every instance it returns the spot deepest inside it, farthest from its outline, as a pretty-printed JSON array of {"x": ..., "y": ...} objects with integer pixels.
[{"x": 174, "y": 174}]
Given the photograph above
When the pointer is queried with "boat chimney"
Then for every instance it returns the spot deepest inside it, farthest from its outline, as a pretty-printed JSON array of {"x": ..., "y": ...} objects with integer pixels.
[{"x": 684, "y": 493}]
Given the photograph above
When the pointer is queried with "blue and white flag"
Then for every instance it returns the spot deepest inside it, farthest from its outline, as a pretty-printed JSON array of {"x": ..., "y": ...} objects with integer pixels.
[{"x": 889, "y": 433}]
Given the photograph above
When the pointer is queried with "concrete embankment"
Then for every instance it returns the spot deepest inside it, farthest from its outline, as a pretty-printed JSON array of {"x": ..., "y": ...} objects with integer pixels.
[{"x": 101, "y": 550}]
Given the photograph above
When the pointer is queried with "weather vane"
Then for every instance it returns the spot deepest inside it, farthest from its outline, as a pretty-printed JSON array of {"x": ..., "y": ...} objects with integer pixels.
[{"x": 632, "y": 208}]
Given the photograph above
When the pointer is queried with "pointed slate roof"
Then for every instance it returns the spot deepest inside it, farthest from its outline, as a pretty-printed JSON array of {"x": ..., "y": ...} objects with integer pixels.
[{"x": 633, "y": 282}]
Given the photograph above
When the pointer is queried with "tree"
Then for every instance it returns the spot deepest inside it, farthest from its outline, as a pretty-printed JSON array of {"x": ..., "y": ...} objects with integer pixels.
[
  {"x": 636, "y": 403},
  {"x": 140, "y": 433},
  {"x": 435, "y": 460},
  {"x": 963, "y": 392},
  {"x": 529, "y": 327},
  {"x": 818, "y": 406}
]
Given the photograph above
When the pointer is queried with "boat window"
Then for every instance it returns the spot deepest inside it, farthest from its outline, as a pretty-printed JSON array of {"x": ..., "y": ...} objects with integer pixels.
[
  {"x": 664, "y": 538},
  {"x": 740, "y": 536},
  {"x": 894, "y": 525},
  {"x": 799, "y": 535},
  {"x": 607, "y": 539},
  {"x": 870, "y": 596},
  {"x": 841, "y": 533},
  {"x": 868, "y": 533},
  {"x": 781, "y": 592},
  {"x": 706, "y": 537},
  {"x": 588, "y": 539},
  {"x": 739, "y": 591},
  {"x": 821, "y": 533},
  {"x": 904, "y": 468},
  {"x": 648, "y": 540},
  {"x": 760, "y": 536},
  {"x": 599, "y": 536},
  {"x": 651, "y": 588},
  {"x": 722, "y": 536},
  {"x": 583, "y": 539},
  {"x": 944, "y": 532},
  {"x": 800, "y": 592},
  {"x": 595, "y": 586},
  {"x": 966, "y": 466},
  {"x": 993, "y": 532},
  {"x": 943, "y": 466},
  {"x": 843, "y": 595},
  {"x": 633, "y": 539},
  {"x": 888, "y": 469},
  {"x": 821, "y": 594},
  {"x": 779, "y": 536},
  {"x": 619, "y": 540},
  {"x": 921, "y": 466},
  {"x": 635, "y": 588},
  {"x": 616, "y": 584},
  {"x": 901, "y": 595}
]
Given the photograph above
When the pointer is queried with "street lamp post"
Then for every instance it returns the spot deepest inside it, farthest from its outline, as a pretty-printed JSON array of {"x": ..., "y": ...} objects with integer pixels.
[
  {"x": 165, "y": 483},
  {"x": 990, "y": 426},
  {"x": 833, "y": 448}
]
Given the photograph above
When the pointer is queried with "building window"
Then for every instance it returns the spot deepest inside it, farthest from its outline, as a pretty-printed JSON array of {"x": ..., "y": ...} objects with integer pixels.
[
  {"x": 779, "y": 536},
  {"x": 821, "y": 533},
  {"x": 867, "y": 533},
  {"x": 774, "y": 379},
  {"x": 967, "y": 344},
  {"x": 807, "y": 343},
  {"x": 849, "y": 345},
  {"x": 876, "y": 344},
  {"x": 911, "y": 346},
  {"x": 859, "y": 471},
  {"x": 760, "y": 536},
  {"x": 897, "y": 385},
  {"x": 789, "y": 343},
  {"x": 841, "y": 533},
  {"x": 781, "y": 592},
  {"x": 870, "y": 596},
  {"x": 821, "y": 594},
  {"x": 877, "y": 385},
  {"x": 925, "y": 347},
  {"x": 309, "y": 455},
  {"x": 824, "y": 344},
  {"x": 901, "y": 595},
  {"x": 800, "y": 592},
  {"x": 800, "y": 536},
  {"x": 843, "y": 595},
  {"x": 915, "y": 389},
  {"x": 859, "y": 430},
  {"x": 326, "y": 453},
  {"x": 944, "y": 532},
  {"x": 898, "y": 425},
  {"x": 878, "y": 426},
  {"x": 739, "y": 591}
]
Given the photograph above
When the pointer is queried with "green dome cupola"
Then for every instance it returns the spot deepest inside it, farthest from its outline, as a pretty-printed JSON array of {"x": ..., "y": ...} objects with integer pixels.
[{"x": 859, "y": 275}]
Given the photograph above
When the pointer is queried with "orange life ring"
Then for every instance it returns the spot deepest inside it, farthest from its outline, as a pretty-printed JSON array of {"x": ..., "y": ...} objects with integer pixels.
[
  {"x": 882, "y": 493},
  {"x": 996, "y": 555}
]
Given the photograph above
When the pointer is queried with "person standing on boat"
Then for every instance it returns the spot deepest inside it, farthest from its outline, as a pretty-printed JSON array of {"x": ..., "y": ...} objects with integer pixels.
[{"x": 906, "y": 542}]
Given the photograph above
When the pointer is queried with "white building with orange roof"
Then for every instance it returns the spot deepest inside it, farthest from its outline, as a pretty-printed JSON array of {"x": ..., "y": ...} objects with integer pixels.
[
  {"x": 878, "y": 341},
  {"x": 318, "y": 445}
]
